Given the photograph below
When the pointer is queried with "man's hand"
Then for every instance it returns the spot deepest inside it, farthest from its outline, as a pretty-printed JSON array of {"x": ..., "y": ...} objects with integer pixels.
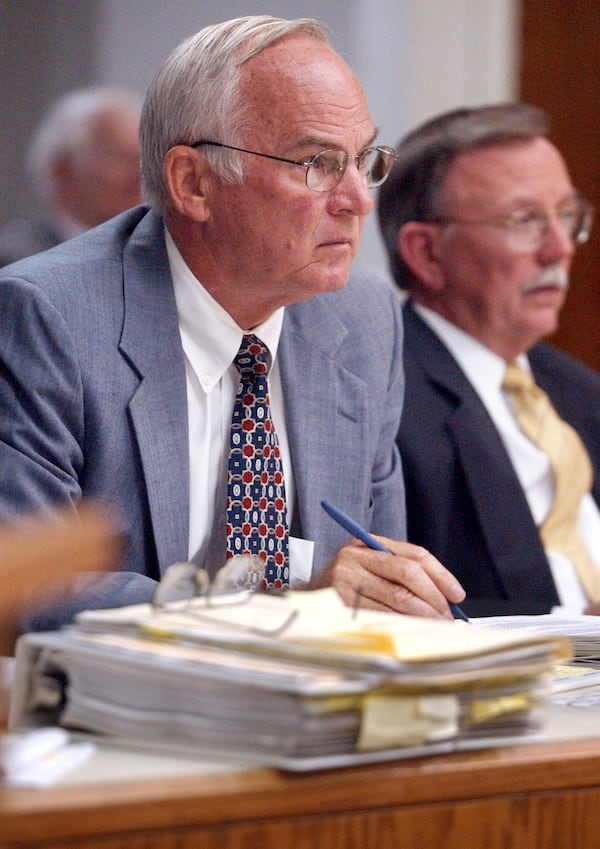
[{"x": 409, "y": 580}]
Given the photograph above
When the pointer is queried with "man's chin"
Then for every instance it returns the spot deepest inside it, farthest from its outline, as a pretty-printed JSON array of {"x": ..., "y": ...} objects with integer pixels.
[
  {"x": 545, "y": 323},
  {"x": 332, "y": 279}
]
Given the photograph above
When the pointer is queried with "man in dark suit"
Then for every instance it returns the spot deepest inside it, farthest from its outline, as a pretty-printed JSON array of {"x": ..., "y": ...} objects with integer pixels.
[
  {"x": 117, "y": 349},
  {"x": 481, "y": 222},
  {"x": 84, "y": 166}
]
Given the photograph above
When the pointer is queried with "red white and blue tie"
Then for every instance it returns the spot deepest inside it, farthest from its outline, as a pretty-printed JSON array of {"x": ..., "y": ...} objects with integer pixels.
[{"x": 256, "y": 503}]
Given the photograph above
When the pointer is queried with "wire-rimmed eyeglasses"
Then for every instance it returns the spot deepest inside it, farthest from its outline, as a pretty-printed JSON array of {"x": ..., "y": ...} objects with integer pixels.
[
  {"x": 527, "y": 226},
  {"x": 325, "y": 169},
  {"x": 187, "y": 589}
]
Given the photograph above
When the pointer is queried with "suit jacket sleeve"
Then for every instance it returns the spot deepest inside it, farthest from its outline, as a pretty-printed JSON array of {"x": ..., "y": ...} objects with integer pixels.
[
  {"x": 42, "y": 440},
  {"x": 65, "y": 427}
]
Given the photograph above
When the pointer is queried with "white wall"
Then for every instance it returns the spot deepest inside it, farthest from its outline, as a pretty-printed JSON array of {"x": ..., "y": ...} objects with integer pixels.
[{"x": 420, "y": 57}]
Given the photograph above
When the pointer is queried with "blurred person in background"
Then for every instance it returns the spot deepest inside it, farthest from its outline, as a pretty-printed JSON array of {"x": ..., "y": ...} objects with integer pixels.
[{"x": 84, "y": 165}]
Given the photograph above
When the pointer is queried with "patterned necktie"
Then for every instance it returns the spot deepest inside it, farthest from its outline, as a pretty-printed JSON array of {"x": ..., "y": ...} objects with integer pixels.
[
  {"x": 256, "y": 504},
  {"x": 573, "y": 475}
]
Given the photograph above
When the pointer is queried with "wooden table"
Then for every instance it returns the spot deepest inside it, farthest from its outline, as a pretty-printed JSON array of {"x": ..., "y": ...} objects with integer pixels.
[{"x": 527, "y": 797}]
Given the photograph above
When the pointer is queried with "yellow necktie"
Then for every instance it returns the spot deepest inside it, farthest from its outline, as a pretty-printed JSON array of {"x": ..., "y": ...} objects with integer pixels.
[{"x": 572, "y": 468}]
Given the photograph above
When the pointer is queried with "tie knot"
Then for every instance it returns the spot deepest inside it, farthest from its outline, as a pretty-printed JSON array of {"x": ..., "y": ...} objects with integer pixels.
[
  {"x": 253, "y": 358},
  {"x": 517, "y": 379}
]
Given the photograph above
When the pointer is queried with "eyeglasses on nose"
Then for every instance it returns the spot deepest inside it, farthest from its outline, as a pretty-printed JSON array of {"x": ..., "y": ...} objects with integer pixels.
[
  {"x": 527, "y": 226},
  {"x": 324, "y": 170}
]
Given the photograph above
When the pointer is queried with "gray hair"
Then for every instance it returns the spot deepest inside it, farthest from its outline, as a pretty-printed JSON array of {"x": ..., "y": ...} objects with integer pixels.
[
  {"x": 414, "y": 189},
  {"x": 64, "y": 130},
  {"x": 195, "y": 95}
]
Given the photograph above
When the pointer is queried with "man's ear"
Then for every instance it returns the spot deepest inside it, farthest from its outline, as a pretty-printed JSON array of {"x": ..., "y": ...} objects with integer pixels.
[
  {"x": 417, "y": 243},
  {"x": 186, "y": 177}
]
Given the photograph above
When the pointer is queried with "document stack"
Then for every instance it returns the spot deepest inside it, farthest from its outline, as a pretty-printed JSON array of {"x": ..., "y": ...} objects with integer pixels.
[
  {"x": 583, "y": 631},
  {"x": 298, "y": 681}
]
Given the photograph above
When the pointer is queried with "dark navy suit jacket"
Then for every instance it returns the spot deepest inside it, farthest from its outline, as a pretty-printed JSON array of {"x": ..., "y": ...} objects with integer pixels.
[{"x": 464, "y": 500}]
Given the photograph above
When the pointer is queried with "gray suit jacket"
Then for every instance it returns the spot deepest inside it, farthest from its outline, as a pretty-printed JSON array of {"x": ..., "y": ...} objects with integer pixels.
[{"x": 93, "y": 400}]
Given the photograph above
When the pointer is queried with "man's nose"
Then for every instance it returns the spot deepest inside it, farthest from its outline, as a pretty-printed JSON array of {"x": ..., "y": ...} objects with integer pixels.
[{"x": 352, "y": 193}]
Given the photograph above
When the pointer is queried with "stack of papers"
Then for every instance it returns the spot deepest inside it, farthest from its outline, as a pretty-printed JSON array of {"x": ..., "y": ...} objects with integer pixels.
[
  {"x": 582, "y": 631},
  {"x": 584, "y": 634},
  {"x": 298, "y": 681}
]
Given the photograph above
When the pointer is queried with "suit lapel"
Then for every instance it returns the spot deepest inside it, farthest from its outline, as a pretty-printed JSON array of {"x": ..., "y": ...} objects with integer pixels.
[
  {"x": 322, "y": 465},
  {"x": 151, "y": 343},
  {"x": 494, "y": 487},
  {"x": 501, "y": 506}
]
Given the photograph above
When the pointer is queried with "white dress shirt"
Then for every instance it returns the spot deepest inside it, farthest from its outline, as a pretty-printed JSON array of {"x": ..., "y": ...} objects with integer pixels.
[
  {"x": 210, "y": 340},
  {"x": 485, "y": 371}
]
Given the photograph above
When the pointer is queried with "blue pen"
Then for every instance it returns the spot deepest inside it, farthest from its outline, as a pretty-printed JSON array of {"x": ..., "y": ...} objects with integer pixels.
[{"x": 351, "y": 526}]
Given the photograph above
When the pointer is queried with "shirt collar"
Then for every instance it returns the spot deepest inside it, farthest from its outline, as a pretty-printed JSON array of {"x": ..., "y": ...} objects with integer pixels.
[
  {"x": 209, "y": 335},
  {"x": 484, "y": 368}
]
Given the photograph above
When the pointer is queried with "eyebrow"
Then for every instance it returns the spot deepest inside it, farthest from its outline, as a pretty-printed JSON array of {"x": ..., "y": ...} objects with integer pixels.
[{"x": 310, "y": 141}]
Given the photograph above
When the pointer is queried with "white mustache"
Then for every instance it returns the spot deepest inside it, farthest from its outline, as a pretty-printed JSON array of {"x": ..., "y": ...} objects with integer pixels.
[{"x": 553, "y": 275}]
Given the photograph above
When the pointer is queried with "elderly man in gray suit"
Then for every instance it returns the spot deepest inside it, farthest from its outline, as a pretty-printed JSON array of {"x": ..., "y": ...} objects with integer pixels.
[{"x": 117, "y": 379}]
